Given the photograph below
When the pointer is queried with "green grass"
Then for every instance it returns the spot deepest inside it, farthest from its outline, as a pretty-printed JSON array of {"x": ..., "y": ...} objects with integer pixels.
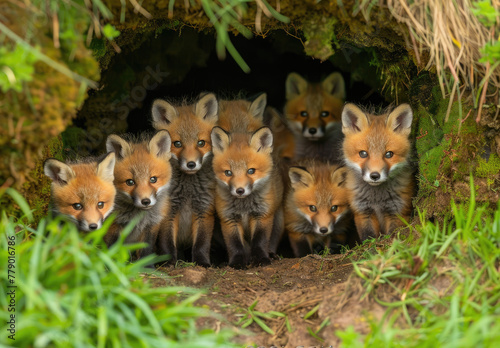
[
  {"x": 74, "y": 292},
  {"x": 444, "y": 286},
  {"x": 252, "y": 315}
]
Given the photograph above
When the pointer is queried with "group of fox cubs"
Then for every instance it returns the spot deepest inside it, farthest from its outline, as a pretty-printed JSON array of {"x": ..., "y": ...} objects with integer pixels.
[{"x": 310, "y": 172}]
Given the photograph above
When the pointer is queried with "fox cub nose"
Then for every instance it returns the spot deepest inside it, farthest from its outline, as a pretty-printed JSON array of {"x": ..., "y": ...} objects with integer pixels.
[
  {"x": 145, "y": 202},
  {"x": 93, "y": 226},
  {"x": 191, "y": 165},
  {"x": 312, "y": 130},
  {"x": 323, "y": 229},
  {"x": 375, "y": 176},
  {"x": 240, "y": 191}
]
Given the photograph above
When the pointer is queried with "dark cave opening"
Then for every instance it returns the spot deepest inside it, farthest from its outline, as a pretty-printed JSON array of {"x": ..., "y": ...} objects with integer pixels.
[
  {"x": 271, "y": 60},
  {"x": 179, "y": 65}
]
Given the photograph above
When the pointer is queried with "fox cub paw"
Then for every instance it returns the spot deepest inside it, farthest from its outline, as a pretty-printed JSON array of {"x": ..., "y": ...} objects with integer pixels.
[
  {"x": 262, "y": 260},
  {"x": 238, "y": 262},
  {"x": 202, "y": 263}
]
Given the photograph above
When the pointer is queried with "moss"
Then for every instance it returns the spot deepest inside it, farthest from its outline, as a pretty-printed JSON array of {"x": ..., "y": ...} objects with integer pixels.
[
  {"x": 37, "y": 189},
  {"x": 47, "y": 104},
  {"x": 429, "y": 132},
  {"x": 98, "y": 47},
  {"x": 488, "y": 168},
  {"x": 72, "y": 140},
  {"x": 449, "y": 152},
  {"x": 429, "y": 166},
  {"x": 319, "y": 33}
]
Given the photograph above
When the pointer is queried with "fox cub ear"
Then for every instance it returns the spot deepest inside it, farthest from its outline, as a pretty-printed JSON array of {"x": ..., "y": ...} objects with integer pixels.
[
  {"x": 220, "y": 140},
  {"x": 105, "y": 168},
  {"x": 258, "y": 106},
  {"x": 299, "y": 176},
  {"x": 295, "y": 85},
  {"x": 339, "y": 176},
  {"x": 334, "y": 84},
  {"x": 163, "y": 113},
  {"x": 399, "y": 120},
  {"x": 353, "y": 119},
  {"x": 160, "y": 145},
  {"x": 207, "y": 108},
  {"x": 58, "y": 171},
  {"x": 262, "y": 140},
  {"x": 118, "y": 145}
]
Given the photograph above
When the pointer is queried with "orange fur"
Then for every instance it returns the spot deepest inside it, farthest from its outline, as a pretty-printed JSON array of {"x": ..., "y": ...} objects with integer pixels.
[
  {"x": 377, "y": 150},
  {"x": 248, "y": 194},
  {"x": 241, "y": 115},
  {"x": 142, "y": 179},
  {"x": 140, "y": 166},
  {"x": 82, "y": 191},
  {"x": 312, "y": 110},
  {"x": 192, "y": 203},
  {"x": 190, "y": 127},
  {"x": 314, "y": 189}
]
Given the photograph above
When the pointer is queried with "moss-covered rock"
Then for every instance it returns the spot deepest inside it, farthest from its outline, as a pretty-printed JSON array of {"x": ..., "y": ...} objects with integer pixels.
[
  {"x": 37, "y": 189},
  {"x": 449, "y": 153},
  {"x": 31, "y": 119}
]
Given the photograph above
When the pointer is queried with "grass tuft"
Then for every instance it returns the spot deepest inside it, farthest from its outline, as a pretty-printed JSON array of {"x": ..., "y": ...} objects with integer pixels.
[
  {"x": 440, "y": 290},
  {"x": 73, "y": 291}
]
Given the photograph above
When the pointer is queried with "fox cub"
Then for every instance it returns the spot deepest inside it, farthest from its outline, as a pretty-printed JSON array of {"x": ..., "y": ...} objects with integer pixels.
[
  {"x": 192, "y": 198},
  {"x": 317, "y": 206},
  {"x": 377, "y": 150},
  {"x": 82, "y": 191},
  {"x": 242, "y": 116},
  {"x": 142, "y": 180},
  {"x": 249, "y": 187},
  {"x": 313, "y": 114}
]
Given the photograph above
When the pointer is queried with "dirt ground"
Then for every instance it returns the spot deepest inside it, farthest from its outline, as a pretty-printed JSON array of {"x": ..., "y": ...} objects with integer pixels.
[{"x": 313, "y": 293}]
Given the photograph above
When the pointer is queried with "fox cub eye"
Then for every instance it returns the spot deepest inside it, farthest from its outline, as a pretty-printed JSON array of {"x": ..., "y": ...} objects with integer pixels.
[
  {"x": 228, "y": 173},
  {"x": 333, "y": 208},
  {"x": 77, "y": 206},
  {"x": 324, "y": 113},
  {"x": 201, "y": 143},
  {"x": 251, "y": 171},
  {"x": 130, "y": 182},
  {"x": 313, "y": 208},
  {"x": 304, "y": 114},
  {"x": 389, "y": 154},
  {"x": 363, "y": 154},
  {"x": 153, "y": 179},
  {"x": 100, "y": 205},
  {"x": 177, "y": 144}
]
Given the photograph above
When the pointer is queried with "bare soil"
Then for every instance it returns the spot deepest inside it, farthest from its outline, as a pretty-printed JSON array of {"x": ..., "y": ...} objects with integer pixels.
[{"x": 291, "y": 286}]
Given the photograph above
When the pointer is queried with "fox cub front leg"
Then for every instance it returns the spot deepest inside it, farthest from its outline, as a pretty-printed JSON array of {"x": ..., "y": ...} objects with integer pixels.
[
  {"x": 367, "y": 225},
  {"x": 391, "y": 222},
  {"x": 300, "y": 243},
  {"x": 261, "y": 229},
  {"x": 202, "y": 236},
  {"x": 167, "y": 239},
  {"x": 148, "y": 236},
  {"x": 233, "y": 236}
]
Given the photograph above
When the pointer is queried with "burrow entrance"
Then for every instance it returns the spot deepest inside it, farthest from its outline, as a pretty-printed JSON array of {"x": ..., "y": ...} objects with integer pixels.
[
  {"x": 177, "y": 65},
  {"x": 181, "y": 64}
]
